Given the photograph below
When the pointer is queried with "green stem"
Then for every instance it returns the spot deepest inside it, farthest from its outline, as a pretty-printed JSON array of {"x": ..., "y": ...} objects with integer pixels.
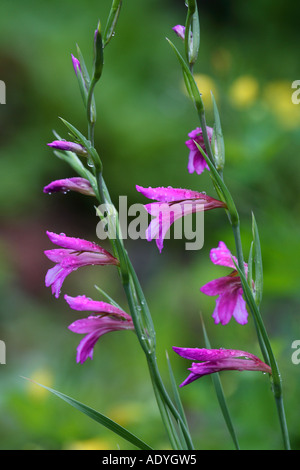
[
  {"x": 260, "y": 327},
  {"x": 90, "y": 117},
  {"x": 142, "y": 322},
  {"x": 151, "y": 359},
  {"x": 265, "y": 343},
  {"x": 164, "y": 394}
]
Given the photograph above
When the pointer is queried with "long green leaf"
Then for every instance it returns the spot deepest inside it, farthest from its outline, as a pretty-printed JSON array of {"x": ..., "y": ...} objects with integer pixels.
[
  {"x": 188, "y": 76},
  {"x": 219, "y": 147},
  {"x": 258, "y": 263},
  {"x": 221, "y": 187},
  {"x": 112, "y": 21},
  {"x": 250, "y": 266},
  {"x": 99, "y": 418},
  {"x": 177, "y": 399}
]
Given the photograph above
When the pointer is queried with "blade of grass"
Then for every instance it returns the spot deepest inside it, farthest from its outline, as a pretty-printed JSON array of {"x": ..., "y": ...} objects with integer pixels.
[{"x": 98, "y": 417}]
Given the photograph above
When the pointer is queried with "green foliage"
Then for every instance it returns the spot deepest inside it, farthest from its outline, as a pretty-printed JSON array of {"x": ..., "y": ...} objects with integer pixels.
[{"x": 143, "y": 119}]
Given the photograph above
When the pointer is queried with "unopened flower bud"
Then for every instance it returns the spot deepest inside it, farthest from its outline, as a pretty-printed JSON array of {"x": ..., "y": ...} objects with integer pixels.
[
  {"x": 68, "y": 146},
  {"x": 98, "y": 53},
  {"x": 179, "y": 30},
  {"x": 76, "y": 64}
]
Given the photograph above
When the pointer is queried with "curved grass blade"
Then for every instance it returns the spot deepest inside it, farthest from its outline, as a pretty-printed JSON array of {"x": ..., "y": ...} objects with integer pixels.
[
  {"x": 99, "y": 418},
  {"x": 177, "y": 400}
]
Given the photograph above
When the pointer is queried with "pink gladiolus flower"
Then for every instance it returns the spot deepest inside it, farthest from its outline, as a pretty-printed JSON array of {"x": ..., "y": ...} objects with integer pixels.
[
  {"x": 69, "y": 147},
  {"x": 197, "y": 162},
  {"x": 80, "y": 185},
  {"x": 74, "y": 253},
  {"x": 173, "y": 203},
  {"x": 110, "y": 318},
  {"x": 229, "y": 289},
  {"x": 216, "y": 360}
]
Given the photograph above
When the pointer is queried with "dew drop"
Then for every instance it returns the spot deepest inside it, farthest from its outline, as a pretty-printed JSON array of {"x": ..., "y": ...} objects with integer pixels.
[{"x": 90, "y": 163}]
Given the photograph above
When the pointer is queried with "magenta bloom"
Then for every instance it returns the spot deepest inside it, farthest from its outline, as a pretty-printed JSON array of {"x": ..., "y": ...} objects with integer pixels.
[
  {"x": 69, "y": 146},
  {"x": 173, "y": 203},
  {"x": 76, "y": 64},
  {"x": 73, "y": 254},
  {"x": 179, "y": 30},
  {"x": 109, "y": 318},
  {"x": 197, "y": 162},
  {"x": 216, "y": 360},
  {"x": 80, "y": 185},
  {"x": 229, "y": 289}
]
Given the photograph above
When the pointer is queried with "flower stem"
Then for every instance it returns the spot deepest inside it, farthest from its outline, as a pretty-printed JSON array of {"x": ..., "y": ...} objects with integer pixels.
[
  {"x": 263, "y": 338},
  {"x": 143, "y": 324},
  {"x": 264, "y": 342}
]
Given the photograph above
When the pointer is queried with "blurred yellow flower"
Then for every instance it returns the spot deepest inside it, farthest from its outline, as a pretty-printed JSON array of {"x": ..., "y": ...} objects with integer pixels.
[
  {"x": 277, "y": 96},
  {"x": 43, "y": 377},
  {"x": 126, "y": 413},
  {"x": 244, "y": 91},
  {"x": 206, "y": 85},
  {"x": 96, "y": 443}
]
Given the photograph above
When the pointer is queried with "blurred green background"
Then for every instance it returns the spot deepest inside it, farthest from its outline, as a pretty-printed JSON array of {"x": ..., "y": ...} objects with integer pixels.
[{"x": 249, "y": 57}]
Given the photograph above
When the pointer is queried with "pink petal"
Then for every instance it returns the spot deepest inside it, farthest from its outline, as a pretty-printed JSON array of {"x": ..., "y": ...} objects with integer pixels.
[
  {"x": 55, "y": 278},
  {"x": 179, "y": 30},
  {"x": 230, "y": 304},
  {"x": 85, "y": 348},
  {"x": 170, "y": 194},
  {"x": 222, "y": 256},
  {"x": 229, "y": 364},
  {"x": 95, "y": 327},
  {"x": 219, "y": 286},
  {"x": 196, "y": 162},
  {"x": 203, "y": 354},
  {"x": 77, "y": 184},
  {"x": 83, "y": 303},
  {"x": 76, "y": 244},
  {"x": 240, "y": 312}
]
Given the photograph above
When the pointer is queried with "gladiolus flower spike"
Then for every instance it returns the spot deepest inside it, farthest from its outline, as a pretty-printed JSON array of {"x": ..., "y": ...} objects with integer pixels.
[
  {"x": 73, "y": 254},
  {"x": 217, "y": 360}
]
